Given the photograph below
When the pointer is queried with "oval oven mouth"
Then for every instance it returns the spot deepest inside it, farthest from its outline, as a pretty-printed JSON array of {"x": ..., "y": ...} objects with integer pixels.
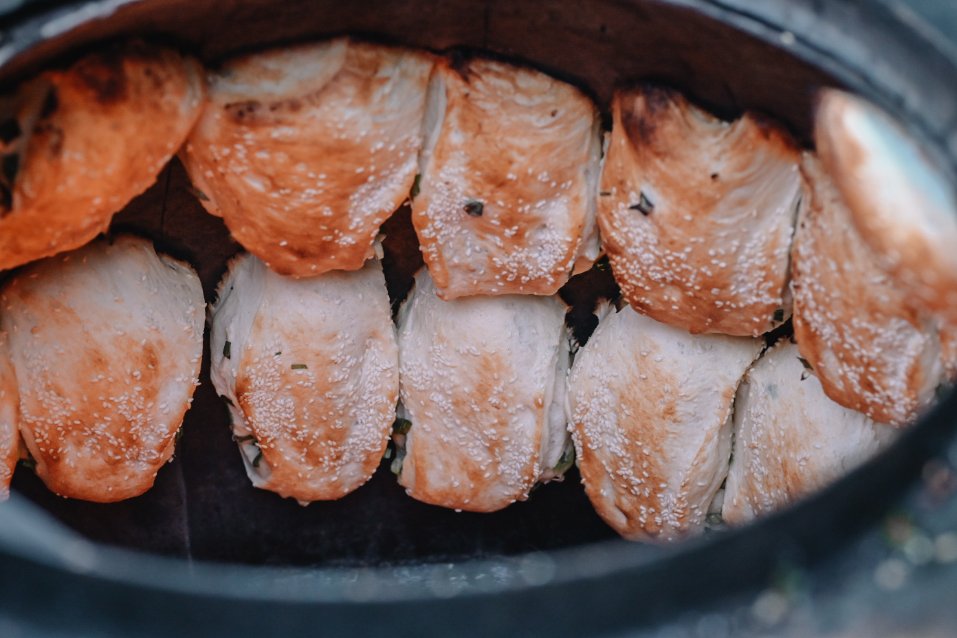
[{"x": 731, "y": 55}]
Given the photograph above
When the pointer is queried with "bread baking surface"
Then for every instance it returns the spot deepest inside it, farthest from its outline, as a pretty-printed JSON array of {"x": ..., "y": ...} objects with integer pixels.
[
  {"x": 696, "y": 214},
  {"x": 650, "y": 407},
  {"x": 506, "y": 203},
  {"x": 790, "y": 440},
  {"x": 9, "y": 417},
  {"x": 89, "y": 139},
  {"x": 310, "y": 371},
  {"x": 304, "y": 151},
  {"x": 856, "y": 326},
  {"x": 483, "y": 383},
  {"x": 106, "y": 343},
  {"x": 902, "y": 205}
]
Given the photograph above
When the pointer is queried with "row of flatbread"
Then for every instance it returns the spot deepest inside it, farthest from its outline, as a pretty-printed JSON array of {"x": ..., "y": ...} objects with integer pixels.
[
  {"x": 103, "y": 348},
  {"x": 716, "y": 232},
  {"x": 305, "y": 151}
]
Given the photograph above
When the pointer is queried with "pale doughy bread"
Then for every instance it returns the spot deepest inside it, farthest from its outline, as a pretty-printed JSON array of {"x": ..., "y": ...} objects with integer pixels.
[
  {"x": 9, "y": 419},
  {"x": 790, "y": 440},
  {"x": 304, "y": 151},
  {"x": 310, "y": 371},
  {"x": 650, "y": 407},
  {"x": 948, "y": 351},
  {"x": 106, "y": 343},
  {"x": 903, "y": 206},
  {"x": 696, "y": 214},
  {"x": 90, "y": 139},
  {"x": 508, "y": 178},
  {"x": 853, "y": 322},
  {"x": 483, "y": 383}
]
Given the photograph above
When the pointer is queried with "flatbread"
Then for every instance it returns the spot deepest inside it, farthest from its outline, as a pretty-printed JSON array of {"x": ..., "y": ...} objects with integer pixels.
[{"x": 310, "y": 371}]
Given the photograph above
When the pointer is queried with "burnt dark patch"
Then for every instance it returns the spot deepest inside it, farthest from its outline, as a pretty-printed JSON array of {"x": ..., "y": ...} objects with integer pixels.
[
  {"x": 55, "y": 135},
  {"x": 641, "y": 124},
  {"x": 104, "y": 76},
  {"x": 460, "y": 62},
  {"x": 51, "y": 103},
  {"x": 156, "y": 81},
  {"x": 243, "y": 112},
  {"x": 657, "y": 98}
]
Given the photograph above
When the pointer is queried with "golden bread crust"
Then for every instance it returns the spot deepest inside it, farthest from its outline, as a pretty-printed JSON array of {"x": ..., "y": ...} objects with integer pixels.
[
  {"x": 106, "y": 343},
  {"x": 95, "y": 135},
  {"x": 872, "y": 351},
  {"x": 696, "y": 214},
  {"x": 312, "y": 375},
  {"x": 305, "y": 151},
  {"x": 506, "y": 201}
]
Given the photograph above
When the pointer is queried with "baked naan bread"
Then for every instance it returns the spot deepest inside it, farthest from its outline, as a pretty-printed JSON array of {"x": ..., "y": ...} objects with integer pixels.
[
  {"x": 106, "y": 344},
  {"x": 77, "y": 145},
  {"x": 650, "y": 407},
  {"x": 696, "y": 214},
  {"x": 483, "y": 385},
  {"x": 304, "y": 151},
  {"x": 902, "y": 204},
  {"x": 309, "y": 368},
  {"x": 856, "y": 325},
  {"x": 790, "y": 440},
  {"x": 506, "y": 201}
]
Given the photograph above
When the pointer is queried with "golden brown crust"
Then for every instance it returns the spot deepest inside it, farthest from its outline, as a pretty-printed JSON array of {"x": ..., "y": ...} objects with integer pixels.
[
  {"x": 790, "y": 440},
  {"x": 94, "y": 136},
  {"x": 477, "y": 380},
  {"x": 696, "y": 214},
  {"x": 855, "y": 325},
  {"x": 9, "y": 420},
  {"x": 650, "y": 407},
  {"x": 106, "y": 343},
  {"x": 902, "y": 205},
  {"x": 312, "y": 375},
  {"x": 506, "y": 202},
  {"x": 305, "y": 151}
]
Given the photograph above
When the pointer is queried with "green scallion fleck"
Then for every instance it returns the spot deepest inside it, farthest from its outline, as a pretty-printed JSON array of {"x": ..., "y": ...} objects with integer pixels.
[
  {"x": 198, "y": 194},
  {"x": 566, "y": 460},
  {"x": 401, "y": 426},
  {"x": 299, "y": 366},
  {"x": 416, "y": 185}
]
